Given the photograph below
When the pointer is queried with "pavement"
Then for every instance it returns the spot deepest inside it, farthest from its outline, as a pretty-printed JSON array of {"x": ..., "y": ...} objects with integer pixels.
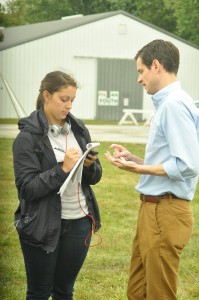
[{"x": 99, "y": 133}]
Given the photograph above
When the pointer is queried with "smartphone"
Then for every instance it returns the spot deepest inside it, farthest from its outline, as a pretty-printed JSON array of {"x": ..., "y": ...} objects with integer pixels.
[{"x": 93, "y": 153}]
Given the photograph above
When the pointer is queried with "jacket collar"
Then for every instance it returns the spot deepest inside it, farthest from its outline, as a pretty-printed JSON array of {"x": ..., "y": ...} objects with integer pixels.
[{"x": 75, "y": 123}]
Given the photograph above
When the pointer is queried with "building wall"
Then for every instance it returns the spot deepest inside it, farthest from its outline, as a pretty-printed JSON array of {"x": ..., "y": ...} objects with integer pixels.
[{"x": 76, "y": 51}]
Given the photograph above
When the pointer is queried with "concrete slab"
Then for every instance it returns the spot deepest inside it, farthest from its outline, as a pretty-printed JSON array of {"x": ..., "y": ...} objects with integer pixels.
[{"x": 106, "y": 133}]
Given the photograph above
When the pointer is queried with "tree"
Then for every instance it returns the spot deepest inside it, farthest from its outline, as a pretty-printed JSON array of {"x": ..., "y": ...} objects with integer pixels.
[
  {"x": 46, "y": 10},
  {"x": 1, "y": 36},
  {"x": 20, "y": 12},
  {"x": 180, "y": 17},
  {"x": 157, "y": 13},
  {"x": 87, "y": 7},
  {"x": 186, "y": 14},
  {"x": 12, "y": 13}
]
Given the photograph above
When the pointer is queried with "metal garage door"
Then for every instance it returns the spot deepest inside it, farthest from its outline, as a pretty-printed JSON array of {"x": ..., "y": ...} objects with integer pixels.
[{"x": 117, "y": 88}]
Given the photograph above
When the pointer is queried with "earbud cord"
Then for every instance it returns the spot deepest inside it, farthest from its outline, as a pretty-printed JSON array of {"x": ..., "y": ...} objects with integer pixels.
[
  {"x": 93, "y": 224},
  {"x": 88, "y": 215}
]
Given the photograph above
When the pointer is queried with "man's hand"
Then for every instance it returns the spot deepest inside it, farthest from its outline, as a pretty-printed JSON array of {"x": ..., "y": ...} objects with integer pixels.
[
  {"x": 120, "y": 151},
  {"x": 121, "y": 163}
]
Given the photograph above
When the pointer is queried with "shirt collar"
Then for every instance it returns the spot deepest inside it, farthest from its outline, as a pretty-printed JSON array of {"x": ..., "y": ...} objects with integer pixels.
[{"x": 161, "y": 95}]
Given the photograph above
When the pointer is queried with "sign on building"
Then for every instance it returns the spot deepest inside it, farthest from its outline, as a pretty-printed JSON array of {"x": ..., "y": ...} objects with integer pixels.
[{"x": 104, "y": 100}]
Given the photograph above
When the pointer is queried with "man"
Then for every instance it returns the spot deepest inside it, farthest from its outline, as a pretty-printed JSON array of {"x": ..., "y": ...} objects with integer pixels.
[{"x": 169, "y": 175}]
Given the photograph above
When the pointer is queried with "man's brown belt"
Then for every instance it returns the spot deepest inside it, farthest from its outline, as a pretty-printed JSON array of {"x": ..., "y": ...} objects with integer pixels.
[{"x": 156, "y": 199}]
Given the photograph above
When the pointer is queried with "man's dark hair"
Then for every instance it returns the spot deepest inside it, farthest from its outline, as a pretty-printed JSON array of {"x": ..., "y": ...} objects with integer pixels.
[{"x": 164, "y": 51}]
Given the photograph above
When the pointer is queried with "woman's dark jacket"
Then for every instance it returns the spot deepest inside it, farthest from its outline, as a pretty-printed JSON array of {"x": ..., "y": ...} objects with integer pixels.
[{"x": 38, "y": 178}]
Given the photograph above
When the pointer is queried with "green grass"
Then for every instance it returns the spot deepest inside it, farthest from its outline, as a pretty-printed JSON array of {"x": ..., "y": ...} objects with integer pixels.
[
  {"x": 9, "y": 121},
  {"x": 105, "y": 273},
  {"x": 88, "y": 122}
]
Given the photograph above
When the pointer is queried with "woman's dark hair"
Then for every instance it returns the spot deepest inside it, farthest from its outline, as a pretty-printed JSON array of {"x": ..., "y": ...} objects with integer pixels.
[
  {"x": 164, "y": 51},
  {"x": 52, "y": 83}
]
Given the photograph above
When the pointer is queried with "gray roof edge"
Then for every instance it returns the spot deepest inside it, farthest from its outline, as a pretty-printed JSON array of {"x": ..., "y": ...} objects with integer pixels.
[
  {"x": 37, "y": 37},
  {"x": 79, "y": 23},
  {"x": 96, "y": 17}
]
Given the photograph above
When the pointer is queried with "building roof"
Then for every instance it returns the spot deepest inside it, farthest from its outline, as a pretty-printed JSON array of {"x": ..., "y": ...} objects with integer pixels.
[{"x": 18, "y": 35}]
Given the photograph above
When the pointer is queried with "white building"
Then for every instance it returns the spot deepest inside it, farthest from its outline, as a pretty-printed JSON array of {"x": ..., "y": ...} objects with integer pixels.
[{"x": 98, "y": 50}]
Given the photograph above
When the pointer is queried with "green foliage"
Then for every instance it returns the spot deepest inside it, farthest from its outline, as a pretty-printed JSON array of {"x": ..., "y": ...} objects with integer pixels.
[
  {"x": 105, "y": 272},
  {"x": 87, "y": 7},
  {"x": 157, "y": 13},
  {"x": 1, "y": 36},
  {"x": 186, "y": 14},
  {"x": 180, "y": 17},
  {"x": 13, "y": 13},
  {"x": 45, "y": 10}
]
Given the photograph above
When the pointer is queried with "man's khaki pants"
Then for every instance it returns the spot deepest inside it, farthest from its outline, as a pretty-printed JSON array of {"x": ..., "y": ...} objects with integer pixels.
[{"x": 163, "y": 230}]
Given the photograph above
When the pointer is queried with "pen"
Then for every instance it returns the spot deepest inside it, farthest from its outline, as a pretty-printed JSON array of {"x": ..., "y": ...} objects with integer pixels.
[{"x": 59, "y": 149}]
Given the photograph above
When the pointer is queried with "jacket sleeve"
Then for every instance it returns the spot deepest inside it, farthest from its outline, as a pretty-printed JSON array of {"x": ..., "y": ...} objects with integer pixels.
[
  {"x": 93, "y": 173},
  {"x": 31, "y": 181}
]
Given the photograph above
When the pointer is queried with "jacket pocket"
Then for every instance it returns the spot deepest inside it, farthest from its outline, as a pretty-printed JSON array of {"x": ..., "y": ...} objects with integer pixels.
[
  {"x": 26, "y": 224},
  {"x": 31, "y": 227}
]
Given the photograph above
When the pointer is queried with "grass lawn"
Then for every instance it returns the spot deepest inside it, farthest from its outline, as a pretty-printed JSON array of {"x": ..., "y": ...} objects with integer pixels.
[
  {"x": 88, "y": 122},
  {"x": 105, "y": 272}
]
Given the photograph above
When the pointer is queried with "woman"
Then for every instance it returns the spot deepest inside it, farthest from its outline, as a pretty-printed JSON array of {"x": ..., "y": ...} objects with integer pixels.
[{"x": 54, "y": 231}]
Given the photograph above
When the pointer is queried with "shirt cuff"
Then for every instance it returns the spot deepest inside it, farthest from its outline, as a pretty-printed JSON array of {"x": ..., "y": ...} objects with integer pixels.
[{"x": 172, "y": 170}]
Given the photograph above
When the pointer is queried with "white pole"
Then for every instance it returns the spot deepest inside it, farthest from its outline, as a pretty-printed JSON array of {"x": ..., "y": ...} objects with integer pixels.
[{"x": 18, "y": 108}]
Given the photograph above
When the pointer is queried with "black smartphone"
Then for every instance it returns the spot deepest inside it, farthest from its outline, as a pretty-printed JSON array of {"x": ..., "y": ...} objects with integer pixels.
[{"x": 93, "y": 153}]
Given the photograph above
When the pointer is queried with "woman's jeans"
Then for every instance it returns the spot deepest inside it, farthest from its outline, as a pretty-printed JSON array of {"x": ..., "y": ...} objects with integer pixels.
[{"x": 54, "y": 274}]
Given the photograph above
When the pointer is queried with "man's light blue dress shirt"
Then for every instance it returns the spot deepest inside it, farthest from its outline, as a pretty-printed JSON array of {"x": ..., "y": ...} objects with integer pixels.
[{"x": 174, "y": 142}]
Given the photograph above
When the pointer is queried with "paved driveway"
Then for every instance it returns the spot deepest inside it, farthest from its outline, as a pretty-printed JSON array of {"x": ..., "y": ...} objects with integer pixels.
[{"x": 106, "y": 133}]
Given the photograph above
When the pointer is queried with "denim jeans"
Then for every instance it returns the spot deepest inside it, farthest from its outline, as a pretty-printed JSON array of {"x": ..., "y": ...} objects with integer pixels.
[{"x": 54, "y": 274}]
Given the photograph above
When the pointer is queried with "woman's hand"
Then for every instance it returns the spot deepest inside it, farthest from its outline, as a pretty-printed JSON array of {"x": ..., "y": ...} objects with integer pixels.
[
  {"x": 90, "y": 160},
  {"x": 71, "y": 157}
]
